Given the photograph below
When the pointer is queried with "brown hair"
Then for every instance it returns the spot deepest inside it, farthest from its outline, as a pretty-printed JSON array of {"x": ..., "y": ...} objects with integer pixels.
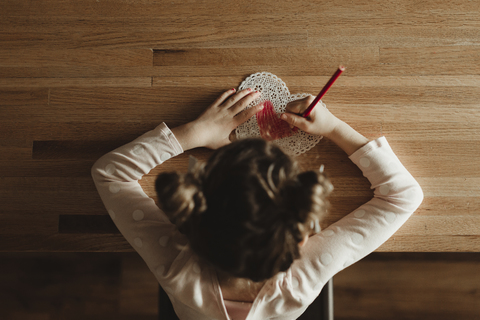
[{"x": 247, "y": 209}]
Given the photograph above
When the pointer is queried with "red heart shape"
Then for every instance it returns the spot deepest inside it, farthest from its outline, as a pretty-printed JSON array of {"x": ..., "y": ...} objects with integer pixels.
[{"x": 270, "y": 124}]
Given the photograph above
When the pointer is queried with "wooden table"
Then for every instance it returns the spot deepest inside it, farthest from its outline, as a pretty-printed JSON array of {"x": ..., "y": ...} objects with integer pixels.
[{"x": 80, "y": 78}]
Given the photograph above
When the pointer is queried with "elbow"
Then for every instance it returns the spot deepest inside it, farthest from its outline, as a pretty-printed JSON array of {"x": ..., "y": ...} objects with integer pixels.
[
  {"x": 417, "y": 195},
  {"x": 95, "y": 170},
  {"x": 412, "y": 197},
  {"x": 408, "y": 195}
]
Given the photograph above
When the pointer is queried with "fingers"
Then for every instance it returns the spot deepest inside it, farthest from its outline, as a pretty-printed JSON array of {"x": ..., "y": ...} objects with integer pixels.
[
  {"x": 299, "y": 106},
  {"x": 247, "y": 114},
  {"x": 231, "y": 98},
  {"x": 295, "y": 121},
  {"x": 223, "y": 97},
  {"x": 245, "y": 101}
]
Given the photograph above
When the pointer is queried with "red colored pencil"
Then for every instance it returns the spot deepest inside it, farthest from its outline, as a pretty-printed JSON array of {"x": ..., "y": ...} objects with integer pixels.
[{"x": 323, "y": 91}]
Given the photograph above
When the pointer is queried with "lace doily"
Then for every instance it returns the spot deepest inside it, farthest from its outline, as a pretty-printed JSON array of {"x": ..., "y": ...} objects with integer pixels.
[{"x": 275, "y": 90}]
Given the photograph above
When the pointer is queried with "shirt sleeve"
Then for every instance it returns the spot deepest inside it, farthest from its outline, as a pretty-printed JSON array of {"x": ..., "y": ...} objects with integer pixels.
[
  {"x": 141, "y": 222},
  {"x": 396, "y": 196}
]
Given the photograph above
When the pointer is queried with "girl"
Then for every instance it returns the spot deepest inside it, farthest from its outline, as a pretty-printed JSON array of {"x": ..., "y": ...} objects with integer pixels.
[{"x": 231, "y": 239}]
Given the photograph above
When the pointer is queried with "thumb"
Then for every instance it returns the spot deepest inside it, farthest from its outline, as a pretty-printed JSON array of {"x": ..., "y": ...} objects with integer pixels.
[
  {"x": 295, "y": 120},
  {"x": 294, "y": 106}
]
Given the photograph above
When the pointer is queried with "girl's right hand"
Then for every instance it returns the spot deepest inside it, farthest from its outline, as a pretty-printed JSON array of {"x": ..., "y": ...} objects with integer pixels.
[{"x": 320, "y": 122}]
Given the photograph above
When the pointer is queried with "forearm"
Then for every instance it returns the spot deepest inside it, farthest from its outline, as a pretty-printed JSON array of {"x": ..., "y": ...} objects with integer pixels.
[
  {"x": 187, "y": 136},
  {"x": 347, "y": 138}
]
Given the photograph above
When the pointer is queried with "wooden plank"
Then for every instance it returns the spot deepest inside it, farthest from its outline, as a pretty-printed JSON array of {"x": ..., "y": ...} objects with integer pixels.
[
  {"x": 115, "y": 99},
  {"x": 365, "y": 68},
  {"x": 112, "y": 105},
  {"x": 46, "y": 168},
  {"x": 462, "y": 59},
  {"x": 91, "y": 224},
  {"x": 358, "y": 74},
  {"x": 413, "y": 112},
  {"x": 408, "y": 289},
  {"x": 275, "y": 20},
  {"x": 344, "y": 81},
  {"x": 466, "y": 56},
  {"x": 13, "y": 149},
  {"x": 29, "y": 98},
  {"x": 432, "y": 243},
  {"x": 265, "y": 56},
  {"x": 138, "y": 82},
  {"x": 437, "y": 158},
  {"x": 103, "y": 72},
  {"x": 71, "y": 130},
  {"x": 31, "y": 224},
  {"x": 423, "y": 158},
  {"x": 64, "y": 285},
  {"x": 49, "y": 196},
  {"x": 432, "y": 10},
  {"x": 280, "y": 61},
  {"x": 444, "y": 165},
  {"x": 75, "y": 57},
  {"x": 211, "y": 37},
  {"x": 460, "y": 225},
  {"x": 448, "y": 216},
  {"x": 74, "y": 150},
  {"x": 65, "y": 243},
  {"x": 449, "y": 206},
  {"x": 446, "y": 131},
  {"x": 424, "y": 96},
  {"x": 424, "y": 256},
  {"x": 139, "y": 291},
  {"x": 457, "y": 186},
  {"x": 393, "y": 36},
  {"x": 195, "y": 82}
]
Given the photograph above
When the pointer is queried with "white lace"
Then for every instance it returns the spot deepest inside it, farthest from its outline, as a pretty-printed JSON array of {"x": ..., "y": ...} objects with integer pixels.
[{"x": 275, "y": 90}]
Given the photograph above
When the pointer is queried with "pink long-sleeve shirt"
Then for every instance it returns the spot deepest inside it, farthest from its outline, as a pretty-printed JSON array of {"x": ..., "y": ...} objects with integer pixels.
[{"x": 193, "y": 286}]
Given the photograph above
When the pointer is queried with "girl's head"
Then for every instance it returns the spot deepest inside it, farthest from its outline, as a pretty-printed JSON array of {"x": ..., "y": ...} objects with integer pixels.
[{"x": 247, "y": 209}]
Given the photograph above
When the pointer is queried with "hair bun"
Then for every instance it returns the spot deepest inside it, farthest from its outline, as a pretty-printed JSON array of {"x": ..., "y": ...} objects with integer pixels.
[
  {"x": 180, "y": 196},
  {"x": 305, "y": 195}
]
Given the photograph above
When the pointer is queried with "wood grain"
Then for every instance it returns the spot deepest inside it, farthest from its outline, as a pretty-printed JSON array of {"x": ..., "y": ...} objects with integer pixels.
[
  {"x": 139, "y": 290},
  {"x": 65, "y": 243},
  {"x": 76, "y": 57},
  {"x": 90, "y": 224},
  {"x": 81, "y": 78},
  {"x": 15, "y": 149},
  {"x": 408, "y": 289},
  {"x": 45, "y": 168},
  {"x": 120, "y": 285},
  {"x": 291, "y": 56},
  {"x": 75, "y": 82},
  {"x": 49, "y": 196},
  {"x": 78, "y": 79}
]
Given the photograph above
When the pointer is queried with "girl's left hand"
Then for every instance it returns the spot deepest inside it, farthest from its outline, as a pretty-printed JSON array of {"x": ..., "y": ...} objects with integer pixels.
[{"x": 213, "y": 127}]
